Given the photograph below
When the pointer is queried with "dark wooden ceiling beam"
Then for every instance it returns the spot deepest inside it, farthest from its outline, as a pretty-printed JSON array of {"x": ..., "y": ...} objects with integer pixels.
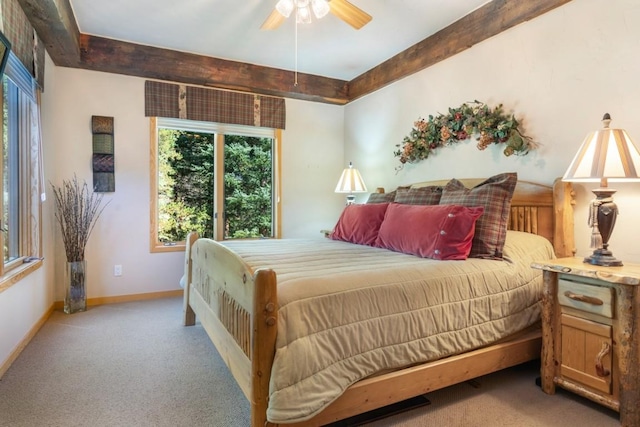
[
  {"x": 119, "y": 57},
  {"x": 56, "y": 25},
  {"x": 479, "y": 25}
]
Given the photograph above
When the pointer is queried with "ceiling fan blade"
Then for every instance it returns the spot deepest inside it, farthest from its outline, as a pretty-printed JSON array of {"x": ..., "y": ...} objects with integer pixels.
[
  {"x": 349, "y": 13},
  {"x": 273, "y": 21}
]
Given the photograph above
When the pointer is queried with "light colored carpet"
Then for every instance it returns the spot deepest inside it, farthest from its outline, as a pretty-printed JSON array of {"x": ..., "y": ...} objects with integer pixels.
[{"x": 134, "y": 364}]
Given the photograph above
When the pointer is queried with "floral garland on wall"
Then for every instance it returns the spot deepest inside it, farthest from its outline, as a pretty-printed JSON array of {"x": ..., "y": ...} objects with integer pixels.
[{"x": 491, "y": 126}]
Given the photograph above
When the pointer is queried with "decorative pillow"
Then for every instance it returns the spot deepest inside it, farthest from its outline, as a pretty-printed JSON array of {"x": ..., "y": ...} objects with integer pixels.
[
  {"x": 381, "y": 197},
  {"x": 443, "y": 232},
  {"x": 385, "y": 197},
  {"x": 419, "y": 196},
  {"x": 494, "y": 194},
  {"x": 360, "y": 223}
]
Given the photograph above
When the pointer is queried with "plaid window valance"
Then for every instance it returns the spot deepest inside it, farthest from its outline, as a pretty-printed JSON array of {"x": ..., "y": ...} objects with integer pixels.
[
  {"x": 25, "y": 43},
  {"x": 212, "y": 105}
]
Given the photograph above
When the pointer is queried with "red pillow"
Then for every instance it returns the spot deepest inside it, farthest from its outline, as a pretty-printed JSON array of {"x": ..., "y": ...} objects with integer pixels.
[
  {"x": 360, "y": 223},
  {"x": 443, "y": 232}
]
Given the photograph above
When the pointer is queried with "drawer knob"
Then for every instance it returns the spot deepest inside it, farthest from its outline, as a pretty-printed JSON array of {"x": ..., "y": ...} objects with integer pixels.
[
  {"x": 601, "y": 371},
  {"x": 583, "y": 298}
]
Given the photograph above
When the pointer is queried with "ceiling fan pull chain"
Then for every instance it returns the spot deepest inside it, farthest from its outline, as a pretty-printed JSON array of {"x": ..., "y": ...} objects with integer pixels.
[{"x": 295, "y": 79}]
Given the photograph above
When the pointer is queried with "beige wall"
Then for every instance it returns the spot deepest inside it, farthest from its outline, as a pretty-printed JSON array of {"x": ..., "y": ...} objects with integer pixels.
[
  {"x": 121, "y": 235},
  {"x": 559, "y": 74}
]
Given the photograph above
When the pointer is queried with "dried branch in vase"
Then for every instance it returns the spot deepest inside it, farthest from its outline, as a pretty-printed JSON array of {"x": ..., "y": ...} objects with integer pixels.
[{"x": 77, "y": 210}]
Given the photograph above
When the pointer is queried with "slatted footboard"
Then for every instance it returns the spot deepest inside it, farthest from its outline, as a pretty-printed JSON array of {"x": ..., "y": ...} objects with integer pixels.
[{"x": 235, "y": 305}]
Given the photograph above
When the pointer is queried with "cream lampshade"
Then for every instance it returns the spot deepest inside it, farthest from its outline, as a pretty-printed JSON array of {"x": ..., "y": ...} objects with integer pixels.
[
  {"x": 605, "y": 155},
  {"x": 351, "y": 182}
]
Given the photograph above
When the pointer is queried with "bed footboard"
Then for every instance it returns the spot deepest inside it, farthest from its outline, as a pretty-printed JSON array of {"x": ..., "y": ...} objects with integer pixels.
[
  {"x": 238, "y": 309},
  {"x": 235, "y": 305}
]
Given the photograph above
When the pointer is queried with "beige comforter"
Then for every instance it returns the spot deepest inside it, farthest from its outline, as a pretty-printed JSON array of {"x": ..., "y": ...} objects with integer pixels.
[{"x": 349, "y": 311}]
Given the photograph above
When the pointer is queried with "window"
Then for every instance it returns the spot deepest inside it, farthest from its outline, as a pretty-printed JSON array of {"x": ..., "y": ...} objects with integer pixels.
[
  {"x": 219, "y": 180},
  {"x": 21, "y": 177}
]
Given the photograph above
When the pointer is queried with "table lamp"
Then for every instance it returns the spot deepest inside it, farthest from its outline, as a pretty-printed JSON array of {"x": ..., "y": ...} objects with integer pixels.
[
  {"x": 605, "y": 155},
  {"x": 351, "y": 182}
]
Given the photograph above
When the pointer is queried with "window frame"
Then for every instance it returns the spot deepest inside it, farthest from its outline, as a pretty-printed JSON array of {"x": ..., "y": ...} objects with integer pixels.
[
  {"x": 220, "y": 130},
  {"x": 27, "y": 178}
]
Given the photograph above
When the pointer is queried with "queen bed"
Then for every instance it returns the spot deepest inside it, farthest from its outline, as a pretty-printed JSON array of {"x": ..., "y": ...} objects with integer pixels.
[{"x": 318, "y": 330}]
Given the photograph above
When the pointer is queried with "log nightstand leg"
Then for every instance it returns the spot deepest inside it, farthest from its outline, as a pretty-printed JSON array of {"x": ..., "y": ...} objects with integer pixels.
[{"x": 547, "y": 365}]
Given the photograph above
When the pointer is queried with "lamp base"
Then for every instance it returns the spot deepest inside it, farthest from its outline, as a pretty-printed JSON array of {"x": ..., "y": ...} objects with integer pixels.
[
  {"x": 603, "y": 214},
  {"x": 603, "y": 257}
]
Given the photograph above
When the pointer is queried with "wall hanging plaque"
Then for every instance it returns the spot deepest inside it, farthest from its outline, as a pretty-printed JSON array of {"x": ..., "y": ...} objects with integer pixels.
[{"x": 103, "y": 154}]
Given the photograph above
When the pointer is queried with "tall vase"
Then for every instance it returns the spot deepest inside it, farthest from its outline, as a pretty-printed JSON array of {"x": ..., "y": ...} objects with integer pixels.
[{"x": 75, "y": 298}]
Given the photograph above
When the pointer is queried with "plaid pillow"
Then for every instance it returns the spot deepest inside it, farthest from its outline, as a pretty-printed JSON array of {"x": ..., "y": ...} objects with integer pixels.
[
  {"x": 494, "y": 194},
  {"x": 384, "y": 197},
  {"x": 419, "y": 196},
  {"x": 381, "y": 197}
]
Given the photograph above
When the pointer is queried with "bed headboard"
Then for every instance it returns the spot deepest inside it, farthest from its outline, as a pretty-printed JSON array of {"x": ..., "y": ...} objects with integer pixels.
[{"x": 539, "y": 209}]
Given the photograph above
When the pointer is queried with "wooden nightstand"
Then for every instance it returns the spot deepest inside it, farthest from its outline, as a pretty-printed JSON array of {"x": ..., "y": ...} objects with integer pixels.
[{"x": 590, "y": 333}]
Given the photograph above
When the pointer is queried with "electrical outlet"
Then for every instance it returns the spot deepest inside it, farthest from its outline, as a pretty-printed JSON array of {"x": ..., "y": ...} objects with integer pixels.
[{"x": 117, "y": 270}]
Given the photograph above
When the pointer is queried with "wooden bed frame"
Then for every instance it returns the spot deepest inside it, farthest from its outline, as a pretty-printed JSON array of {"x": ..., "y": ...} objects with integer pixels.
[{"x": 239, "y": 312}]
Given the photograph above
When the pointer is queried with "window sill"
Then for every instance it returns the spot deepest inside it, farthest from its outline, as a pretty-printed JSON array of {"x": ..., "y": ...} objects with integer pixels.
[
  {"x": 173, "y": 247},
  {"x": 18, "y": 273}
]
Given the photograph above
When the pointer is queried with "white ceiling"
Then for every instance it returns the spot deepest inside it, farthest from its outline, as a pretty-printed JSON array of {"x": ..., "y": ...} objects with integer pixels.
[{"x": 230, "y": 29}]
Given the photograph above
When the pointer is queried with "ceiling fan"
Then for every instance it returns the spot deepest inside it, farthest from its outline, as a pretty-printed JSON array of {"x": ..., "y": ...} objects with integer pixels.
[{"x": 343, "y": 9}]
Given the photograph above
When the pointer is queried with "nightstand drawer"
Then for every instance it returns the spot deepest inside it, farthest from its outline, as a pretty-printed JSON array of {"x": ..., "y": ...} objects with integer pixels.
[{"x": 584, "y": 297}]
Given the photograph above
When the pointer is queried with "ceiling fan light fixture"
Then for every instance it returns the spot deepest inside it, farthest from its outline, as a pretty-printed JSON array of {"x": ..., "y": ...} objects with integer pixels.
[
  {"x": 285, "y": 7},
  {"x": 303, "y": 9},
  {"x": 320, "y": 8},
  {"x": 303, "y": 14}
]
